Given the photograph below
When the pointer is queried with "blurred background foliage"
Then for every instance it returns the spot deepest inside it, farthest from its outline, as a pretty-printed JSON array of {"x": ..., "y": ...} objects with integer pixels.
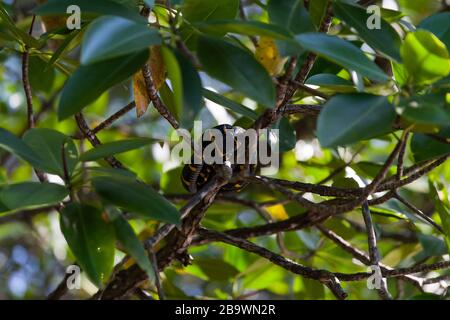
[{"x": 34, "y": 254}]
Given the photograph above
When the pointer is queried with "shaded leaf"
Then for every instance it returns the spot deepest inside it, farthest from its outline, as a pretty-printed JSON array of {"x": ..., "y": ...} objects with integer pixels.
[
  {"x": 130, "y": 242},
  {"x": 385, "y": 39},
  {"x": 136, "y": 197},
  {"x": 48, "y": 144},
  {"x": 350, "y": 118},
  {"x": 103, "y": 7},
  {"x": 424, "y": 147},
  {"x": 230, "y": 104},
  {"x": 31, "y": 195},
  {"x": 342, "y": 53},
  {"x": 12, "y": 144},
  {"x": 91, "y": 239},
  {"x": 92, "y": 80},
  {"x": 111, "y": 148},
  {"x": 110, "y": 37},
  {"x": 237, "y": 68}
]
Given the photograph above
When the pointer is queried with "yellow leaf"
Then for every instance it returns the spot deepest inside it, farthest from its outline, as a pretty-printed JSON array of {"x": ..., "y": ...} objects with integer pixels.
[
  {"x": 157, "y": 66},
  {"x": 267, "y": 54},
  {"x": 140, "y": 94},
  {"x": 277, "y": 212}
]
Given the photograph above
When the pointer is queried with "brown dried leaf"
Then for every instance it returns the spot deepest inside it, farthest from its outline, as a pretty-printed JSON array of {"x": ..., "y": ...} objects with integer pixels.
[
  {"x": 157, "y": 66},
  {"x": 140, "y": 94}
]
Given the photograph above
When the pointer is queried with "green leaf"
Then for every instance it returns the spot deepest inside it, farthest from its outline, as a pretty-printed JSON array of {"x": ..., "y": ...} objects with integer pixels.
[
  {"x": 217, "y": 269},
  {"x": 331, "y": 83},
  {"x": 438, "y": 24},
  {"x": 290, "y": 14},
  {"x": 194, "y": 11},
  {"x": 353, "y": 117},
  {"x": 342, "y": 53},
  {"x": 385, "y": 39},
  {"x": 429, "y": 109},
  {"x": 101, "y": 7},
  {"x": 230, "y": 104},
  {"x": 424, "y": 147},
  {"x": 110, "y": 37},
  {"x": 439, "y": 195},
  {"x": 41, "y": 77},
  {"x": 199, "y": 10},
  {"x": 136, "y": 197},
  {"x": 31, "y": 195},
  {"x": 111, "y": 148},
  {"x": 317, "y": 10},
  {"x": 249, "y": 28},
  {"x": 425, "y": 57},
  {"x": 111, "y": 172},
  {"x": 92, "y": 80},
  {"x": 175, "y": 77},
  {"x": 18, "y": 33},
  {"x": 130, "y": 242},
  {"x": 12, "y": 144},
  {"x": 432, "y": 247},
  {"x": 287, "y": 135},
  {"x": 48, "y": 144},
  {"x": 237, "y": 68},
  {"x": 91, "y": 240},
  {"x": 192, "y": 91}
]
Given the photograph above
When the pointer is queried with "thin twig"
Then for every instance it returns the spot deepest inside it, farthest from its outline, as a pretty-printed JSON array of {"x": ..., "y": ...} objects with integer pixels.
[
  {"x": 418, "y": 212},
  {"x": 157, "y": 275},
  {"x": 153, "y": 95},
  {"x": 374, "y": 253},
  {"x": 110, "y": 120}
]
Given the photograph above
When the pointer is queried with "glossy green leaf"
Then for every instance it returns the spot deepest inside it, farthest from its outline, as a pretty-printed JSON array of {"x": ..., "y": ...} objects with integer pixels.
[
  {"x": 92, "y": 80},
  {"x": 48, "y": 145},
  {"x": 110, "y": 37},
  {"x": 199, "y": 10},
  {"x": 350, "y": 118},
  {"x": 192, "y": 91},
  {"x": 111, "y": 148},
  {"x": 91, "y": 239},
  {"x": 290, "y": 14},
  {"x": 130, "y": 242},
  {"x": 136, "y": 197},
  {"x": 101, "y": 7},
  {"x": 230, "y": 104},
  {"x": 425, "y": 57},
  {"x": 250, "y": 28},
  {"x": 111, "y": 172},
  {"x": 385, "y": 39},
  {"x": 11, "y": 143},
  {"x": 195, "y": 11},
  {"x": 331, "y": 83},
  {"x": 429, "y": 109},
  {"x": 31, "y": 195},
  {"x": 237, "y": 68},
  {"x": 424, "y": 147},
  {"x": 342, "y": 53}
]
